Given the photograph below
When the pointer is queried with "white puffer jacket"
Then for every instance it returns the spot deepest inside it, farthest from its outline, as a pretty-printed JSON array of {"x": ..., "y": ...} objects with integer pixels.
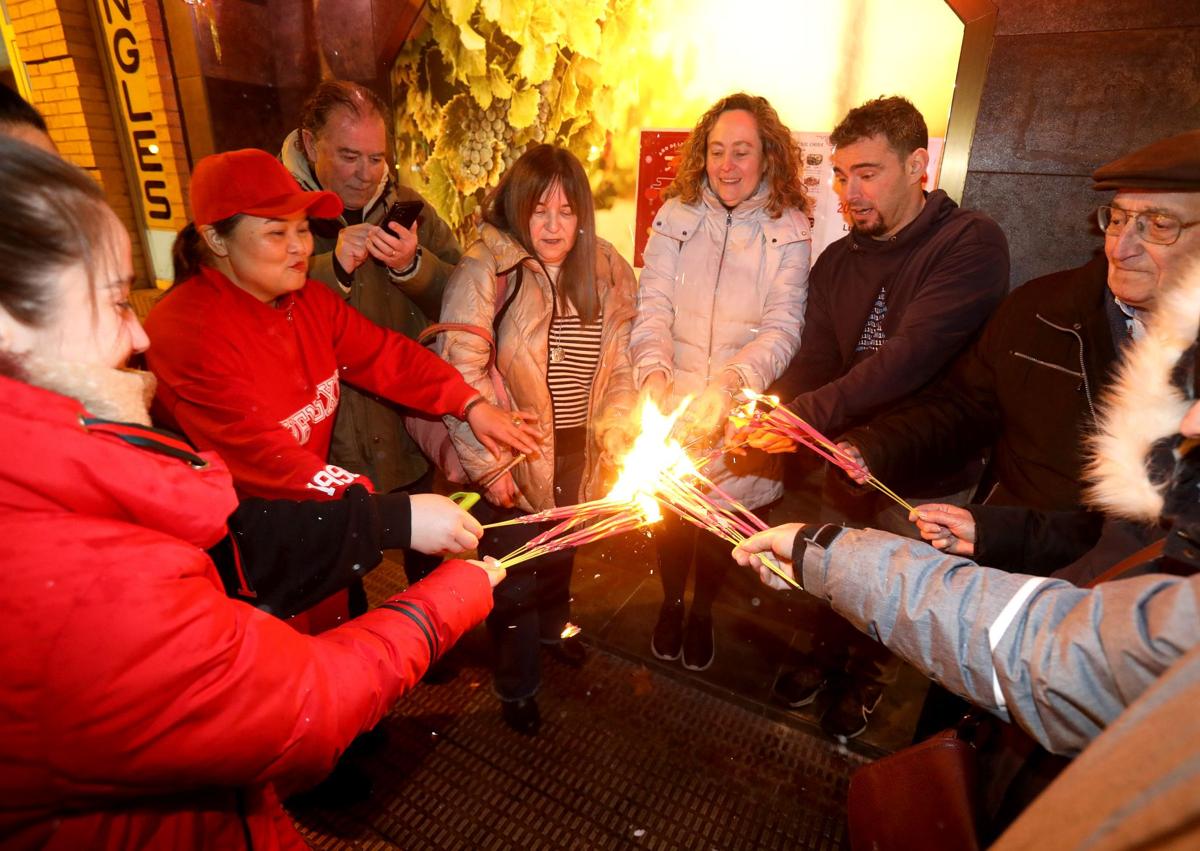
[{"x": 723, "y": 290}]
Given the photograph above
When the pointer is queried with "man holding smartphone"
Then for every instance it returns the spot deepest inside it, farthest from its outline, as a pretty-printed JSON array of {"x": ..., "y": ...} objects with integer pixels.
[{"x": 394, "y": 272}]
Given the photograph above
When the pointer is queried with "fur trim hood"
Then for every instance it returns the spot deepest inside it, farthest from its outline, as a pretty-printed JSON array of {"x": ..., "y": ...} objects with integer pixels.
[{"x": 1144, "y": 406}]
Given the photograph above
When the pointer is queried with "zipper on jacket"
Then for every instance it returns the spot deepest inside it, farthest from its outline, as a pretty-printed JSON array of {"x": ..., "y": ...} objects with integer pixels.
[
  {"x": 245, "y": 591},
  {"x": 1074, "y": 332},
  {"x": 712, "y": 314},
  {"x": 1045, "y": 363}
]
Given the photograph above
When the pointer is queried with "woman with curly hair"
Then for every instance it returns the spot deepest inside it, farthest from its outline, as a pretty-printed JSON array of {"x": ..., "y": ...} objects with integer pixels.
[{"x": 720, "y": 308}]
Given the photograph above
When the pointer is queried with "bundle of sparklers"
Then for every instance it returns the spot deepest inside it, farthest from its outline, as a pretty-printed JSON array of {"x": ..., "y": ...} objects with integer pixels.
[{"x": 657, "y": 471}]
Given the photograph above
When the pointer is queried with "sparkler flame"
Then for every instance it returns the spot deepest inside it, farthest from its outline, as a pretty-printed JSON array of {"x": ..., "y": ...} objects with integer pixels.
[{"x": 654, "y": 452}]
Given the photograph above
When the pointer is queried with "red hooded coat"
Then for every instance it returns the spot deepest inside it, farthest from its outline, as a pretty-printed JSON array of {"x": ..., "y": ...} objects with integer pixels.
[{"x": 139, "y": 706}]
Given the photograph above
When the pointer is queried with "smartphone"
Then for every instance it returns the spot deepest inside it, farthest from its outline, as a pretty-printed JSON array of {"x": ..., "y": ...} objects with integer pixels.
[{"x": 402, "y": 212}]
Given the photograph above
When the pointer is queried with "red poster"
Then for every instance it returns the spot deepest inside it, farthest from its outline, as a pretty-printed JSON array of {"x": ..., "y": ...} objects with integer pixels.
[{"x": 656, "y": 170}]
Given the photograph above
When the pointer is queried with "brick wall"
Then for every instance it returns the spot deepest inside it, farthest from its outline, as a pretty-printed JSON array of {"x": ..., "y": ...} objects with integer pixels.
[{"x": 57, "y": 43}]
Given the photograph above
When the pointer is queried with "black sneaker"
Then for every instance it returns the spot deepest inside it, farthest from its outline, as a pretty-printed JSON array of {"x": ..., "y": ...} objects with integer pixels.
[
  {"x": 522, "y": 715},
  {"x": 698, "y": 649},
  {"x": 667, "y": 640},
  {"x": 800, "y": 687},
  {"x": 850, "y": 712}
]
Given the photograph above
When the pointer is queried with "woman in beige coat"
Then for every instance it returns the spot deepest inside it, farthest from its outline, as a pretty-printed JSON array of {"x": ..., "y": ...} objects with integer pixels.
[
  {"x": 720, "y": 307},
  {"x": 561, "y": 303}
]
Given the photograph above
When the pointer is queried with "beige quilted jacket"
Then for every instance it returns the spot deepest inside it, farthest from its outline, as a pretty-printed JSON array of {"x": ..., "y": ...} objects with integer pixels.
[{"x": 523, "y": 355}]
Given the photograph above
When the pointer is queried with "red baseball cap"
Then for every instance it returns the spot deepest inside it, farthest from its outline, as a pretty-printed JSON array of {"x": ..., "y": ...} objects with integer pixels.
[{"x": 253, "y": 182}]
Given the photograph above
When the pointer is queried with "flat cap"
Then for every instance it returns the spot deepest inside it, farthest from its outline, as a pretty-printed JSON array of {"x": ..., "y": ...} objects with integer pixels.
[{"x": 1168, "y": 165}]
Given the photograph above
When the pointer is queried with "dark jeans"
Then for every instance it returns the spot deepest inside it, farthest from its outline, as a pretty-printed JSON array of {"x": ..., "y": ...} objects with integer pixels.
[
  {"x": 533, "y": 603},
  {"x": 680, "y": 545}
]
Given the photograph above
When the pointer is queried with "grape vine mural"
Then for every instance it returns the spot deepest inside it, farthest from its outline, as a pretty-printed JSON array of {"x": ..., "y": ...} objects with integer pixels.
[{"x": 485, "y": 79}]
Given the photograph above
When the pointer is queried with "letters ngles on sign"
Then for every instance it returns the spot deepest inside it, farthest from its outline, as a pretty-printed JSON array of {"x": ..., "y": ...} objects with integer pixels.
[{"x": 127, "y": 59}]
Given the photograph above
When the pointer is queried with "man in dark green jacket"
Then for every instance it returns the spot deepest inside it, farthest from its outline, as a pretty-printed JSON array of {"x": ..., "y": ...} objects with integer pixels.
[{"x": 395, "y": 277}]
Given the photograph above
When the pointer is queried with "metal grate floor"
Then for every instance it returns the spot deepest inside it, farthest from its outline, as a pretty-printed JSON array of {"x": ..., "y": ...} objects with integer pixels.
[{"x": 628, "y": 757}]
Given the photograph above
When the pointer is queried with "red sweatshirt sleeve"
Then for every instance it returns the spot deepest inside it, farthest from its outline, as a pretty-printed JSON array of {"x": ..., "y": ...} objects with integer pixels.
[
  {"x": 391, "y": 365},
  {"x": 216, "y": 405}
]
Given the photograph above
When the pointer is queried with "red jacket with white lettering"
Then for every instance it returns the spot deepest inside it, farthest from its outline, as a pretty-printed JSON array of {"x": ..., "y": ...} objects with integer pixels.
[
  {"x": 259, "y": 383},
  {"x": 139, "y": 706}
]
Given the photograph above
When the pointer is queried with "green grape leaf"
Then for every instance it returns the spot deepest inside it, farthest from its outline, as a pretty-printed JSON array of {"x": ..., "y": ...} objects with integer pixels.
[
  {"x": 459, "y": 11},
  {"x": 583, "y": 27},
  {"x": 441, "y": 192},
  {"x": 457, "y": 117},
  {"x": 491, "y": 9},
  {"x": 511, "y": 15},
  {"x": 481, "y": 90},
  {"x": 501, "y": 87},
  {"x": 523, "y": 109},
  {"x": 536, "y": 60},
  {"x": 473, "y": 43}
]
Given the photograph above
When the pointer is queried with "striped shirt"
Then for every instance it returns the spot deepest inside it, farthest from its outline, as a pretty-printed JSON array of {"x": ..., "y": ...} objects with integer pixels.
[{"x": 574, "y": 354}]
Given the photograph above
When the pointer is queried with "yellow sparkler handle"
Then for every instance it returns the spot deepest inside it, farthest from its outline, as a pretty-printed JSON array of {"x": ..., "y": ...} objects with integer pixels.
[{"x": 465, "y": 499}]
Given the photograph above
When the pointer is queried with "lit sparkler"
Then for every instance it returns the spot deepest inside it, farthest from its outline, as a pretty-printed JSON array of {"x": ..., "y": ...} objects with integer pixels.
[
  {"x": 656, "y": 472},
  {"x": 764, "y": 413}
]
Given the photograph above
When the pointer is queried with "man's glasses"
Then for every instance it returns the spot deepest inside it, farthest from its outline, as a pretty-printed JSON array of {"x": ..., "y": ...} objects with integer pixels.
[{"x": 1158, "y": 228}]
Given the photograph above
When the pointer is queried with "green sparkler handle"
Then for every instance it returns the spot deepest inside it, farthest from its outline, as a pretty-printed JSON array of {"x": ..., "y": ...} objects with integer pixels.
[{"x": 465, "y": 499}]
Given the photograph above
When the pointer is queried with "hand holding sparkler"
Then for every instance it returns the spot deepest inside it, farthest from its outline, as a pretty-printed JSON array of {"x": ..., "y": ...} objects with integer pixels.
[
  {"x": 768, "y": 415},
  {"x": 440, "y": 527},
  {"x": 493, "y": 569},
  {"x": 706, "y": 414},
  {"x": 778, "y": 540},
  {"x": 501, "y": 489},
  {"x": 852, "y": 452},
  {"x": 947, "y": 527}
]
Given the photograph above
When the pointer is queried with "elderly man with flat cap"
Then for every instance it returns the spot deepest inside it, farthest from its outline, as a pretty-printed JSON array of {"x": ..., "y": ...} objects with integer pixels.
[{"x": 1027, "y": 388}]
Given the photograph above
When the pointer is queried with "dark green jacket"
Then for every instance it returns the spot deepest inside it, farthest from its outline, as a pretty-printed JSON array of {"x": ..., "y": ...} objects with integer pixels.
[{"x": 369, "y": 436}]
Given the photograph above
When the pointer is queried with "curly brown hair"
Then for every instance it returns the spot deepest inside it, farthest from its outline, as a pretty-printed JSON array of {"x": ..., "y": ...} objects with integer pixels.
[{"x": 781, "y": 156}]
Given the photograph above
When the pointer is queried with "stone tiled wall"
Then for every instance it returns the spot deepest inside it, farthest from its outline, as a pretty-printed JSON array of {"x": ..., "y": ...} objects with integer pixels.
[
  {"x": 1070, "y": 86},
  {"x": 57, "y": 43}
]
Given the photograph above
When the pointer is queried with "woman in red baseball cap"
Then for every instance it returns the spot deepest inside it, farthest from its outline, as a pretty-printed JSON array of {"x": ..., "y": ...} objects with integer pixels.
[{"x": 250, "y": 359}]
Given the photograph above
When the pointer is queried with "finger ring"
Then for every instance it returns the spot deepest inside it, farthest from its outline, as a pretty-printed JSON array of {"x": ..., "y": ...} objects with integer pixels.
[{"x": 517, "y": 421}]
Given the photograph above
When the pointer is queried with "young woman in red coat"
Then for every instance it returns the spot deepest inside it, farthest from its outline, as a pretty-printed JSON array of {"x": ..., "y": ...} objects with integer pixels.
[{"x": 139, "y": 706}]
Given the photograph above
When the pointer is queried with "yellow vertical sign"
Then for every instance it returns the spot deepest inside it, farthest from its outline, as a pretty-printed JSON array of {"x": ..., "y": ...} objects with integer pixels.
[{"x": 130, "y": 60}]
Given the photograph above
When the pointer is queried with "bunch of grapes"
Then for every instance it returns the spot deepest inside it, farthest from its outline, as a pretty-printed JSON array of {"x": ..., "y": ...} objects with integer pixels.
[
  {"x": 510, "y": 151},
  {"x": 477, "y": 150}
]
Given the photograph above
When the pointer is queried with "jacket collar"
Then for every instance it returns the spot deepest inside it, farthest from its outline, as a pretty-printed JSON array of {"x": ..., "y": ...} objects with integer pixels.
[
  {"x": 112, "y": 394},
  {"x": 745, "y": 210},
  {"x": 297, "y": 163},
  {"x": 1145, "y": 406},
  {"x": 938, "y": 207},
  {"x": 55, "y": 464},
  {"x": 227, "y": 289}
]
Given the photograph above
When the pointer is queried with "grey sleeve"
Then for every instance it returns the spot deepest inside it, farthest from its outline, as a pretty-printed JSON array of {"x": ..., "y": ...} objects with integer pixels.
[{"x": 1060, "y": 661}]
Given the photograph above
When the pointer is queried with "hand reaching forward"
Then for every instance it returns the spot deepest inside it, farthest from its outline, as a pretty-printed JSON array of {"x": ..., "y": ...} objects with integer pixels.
[
  {"x": 494, "y": 427},
  {"x": 947, "y": 527},
  {"x": 440, "y": 527},
  {"x": 777, "y": 540},
  {"x": 495, "y": 573}
]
